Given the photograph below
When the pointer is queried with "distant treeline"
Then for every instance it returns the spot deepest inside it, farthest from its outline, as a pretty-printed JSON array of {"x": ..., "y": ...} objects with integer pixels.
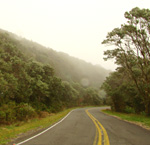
[
  {"x": 28, "y": 86},
  {"x": 128, "y": 89}
]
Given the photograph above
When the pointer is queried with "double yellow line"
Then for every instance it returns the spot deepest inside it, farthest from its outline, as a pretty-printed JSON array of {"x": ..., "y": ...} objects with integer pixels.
[{"x": 101, "y": 137}]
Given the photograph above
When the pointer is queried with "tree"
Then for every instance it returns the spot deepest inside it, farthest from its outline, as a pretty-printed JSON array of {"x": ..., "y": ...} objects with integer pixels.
[
  {"x": 132, "y": 50},
  {"x": 113, "y": 86},
  {"x": 91, "y": 97}
]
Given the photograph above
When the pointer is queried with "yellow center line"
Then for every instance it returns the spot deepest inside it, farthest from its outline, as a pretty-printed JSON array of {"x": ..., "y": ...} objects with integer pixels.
[
  {"x": 98, "y": 137},
  {"x": 97, "y": 127},
  {"x": 106, "y": 139}
]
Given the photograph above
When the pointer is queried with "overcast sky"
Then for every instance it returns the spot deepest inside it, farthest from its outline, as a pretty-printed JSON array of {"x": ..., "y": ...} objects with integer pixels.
[{"x": 76, "y": 27}]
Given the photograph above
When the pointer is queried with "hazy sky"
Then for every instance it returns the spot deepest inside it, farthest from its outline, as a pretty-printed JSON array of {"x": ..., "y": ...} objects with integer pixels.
[{"x": 76, "y": 27}]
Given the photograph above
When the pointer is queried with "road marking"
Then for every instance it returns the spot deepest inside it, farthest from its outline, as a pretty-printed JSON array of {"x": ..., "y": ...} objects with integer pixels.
[
  {"x": 106, "y": 139},
  {"x": 45, "y": 130},
  {"x": 96, "y": 137},
  {"x": 100, "y": 130}
]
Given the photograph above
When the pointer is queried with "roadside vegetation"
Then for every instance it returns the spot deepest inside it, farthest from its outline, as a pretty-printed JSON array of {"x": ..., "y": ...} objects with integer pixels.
[
  {"x": 138, "y": 119},
  {"x": 29, "y": 87},
  {"x": 128, "y": 88},
  {"x": 37, "y": 84},
  {"x": 10, "y": 132},
  {"x": 32, "y": 96}
]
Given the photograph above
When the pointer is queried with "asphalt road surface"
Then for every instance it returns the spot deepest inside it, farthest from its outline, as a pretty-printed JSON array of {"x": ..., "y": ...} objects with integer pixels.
[{"x": 91, "y": 127}]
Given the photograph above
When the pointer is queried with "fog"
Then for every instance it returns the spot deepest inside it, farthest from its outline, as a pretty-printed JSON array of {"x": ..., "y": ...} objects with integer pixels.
[{"x": 76, "y": 27}]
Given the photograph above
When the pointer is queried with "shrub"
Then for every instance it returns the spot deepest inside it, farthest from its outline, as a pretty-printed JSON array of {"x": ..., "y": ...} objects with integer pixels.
[
  {"x": 56, "y": 107},
  {"x": 43, "y": 114},
  {"x": 2, "y": 116},
  {"x": 11, "y": 112},
  {"x": 24, "y": 112},
  {"x": 129, "y": 109},
  {"x": 7, "y": 113}
]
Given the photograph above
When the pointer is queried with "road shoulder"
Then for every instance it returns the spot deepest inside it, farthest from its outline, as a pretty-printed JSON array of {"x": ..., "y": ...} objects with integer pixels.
[{"x": 132, "y": 122}]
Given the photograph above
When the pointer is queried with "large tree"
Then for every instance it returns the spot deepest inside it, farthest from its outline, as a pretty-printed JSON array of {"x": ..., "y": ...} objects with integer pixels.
[{"x": 132, "y": 52}]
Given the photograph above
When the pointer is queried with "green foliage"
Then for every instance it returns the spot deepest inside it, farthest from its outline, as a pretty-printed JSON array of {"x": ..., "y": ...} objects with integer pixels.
[
  {"x": 113, "y": 87},
  {"x": 29, "y": 85},
  {"x": 7, "y": 113},
  {"x": 11, "y": 112},
  {"x": 135, "y": 118},
  {"x": 91, "y": 97},
  {"x": 132, "y": 54},
  {"x": 129, "y": 110},
  {"x": 66, "y": 67},
  {"x": 24, "y": 112},
  {"x": 7, "y": 133}
]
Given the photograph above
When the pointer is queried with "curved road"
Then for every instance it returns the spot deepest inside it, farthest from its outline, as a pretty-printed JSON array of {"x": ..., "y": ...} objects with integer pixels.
[{"x": 91, "y": 127}]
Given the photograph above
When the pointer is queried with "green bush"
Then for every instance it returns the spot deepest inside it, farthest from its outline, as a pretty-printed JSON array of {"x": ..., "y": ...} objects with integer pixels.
[
  {"x": 143, "y": 113},
  {"x": 11, "y": 112},
  {"x": 24, "y": 112},
  {"x": 7, "y": 113},
  {"x": 129, "y": 110},
  {"x": 56, "y": 107},
  {"x": 2, "y": 116}
]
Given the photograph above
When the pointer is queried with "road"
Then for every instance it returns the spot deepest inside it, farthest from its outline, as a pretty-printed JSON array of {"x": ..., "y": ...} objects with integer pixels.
[{"x": 92, "y": 127}]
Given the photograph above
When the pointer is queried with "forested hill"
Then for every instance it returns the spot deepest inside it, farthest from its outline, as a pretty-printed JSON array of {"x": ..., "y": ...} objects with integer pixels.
[
  {"x": 29, "y": 81},
  {"x": 66, "y": 67}
]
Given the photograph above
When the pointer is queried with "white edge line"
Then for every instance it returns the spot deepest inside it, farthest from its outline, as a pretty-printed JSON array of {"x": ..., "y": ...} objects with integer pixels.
[{"x": 45, "y": 130}]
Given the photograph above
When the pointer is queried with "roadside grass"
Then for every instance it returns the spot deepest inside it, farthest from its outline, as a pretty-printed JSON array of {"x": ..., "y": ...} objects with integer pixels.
[
  {"x": 141, "y": 120},
  {"x": 9, "y": 132}
]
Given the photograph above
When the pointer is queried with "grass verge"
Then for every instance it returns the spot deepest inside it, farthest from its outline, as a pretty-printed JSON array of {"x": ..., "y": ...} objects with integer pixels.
[
  {"x": 133, "y": 118},
  {"x": 7, "y": 133}
]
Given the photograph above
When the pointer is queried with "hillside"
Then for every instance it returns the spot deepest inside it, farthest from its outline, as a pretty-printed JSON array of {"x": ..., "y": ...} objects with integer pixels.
[
  {"x": 66, "y": 67},
  {"x": 30, "y": 82}
]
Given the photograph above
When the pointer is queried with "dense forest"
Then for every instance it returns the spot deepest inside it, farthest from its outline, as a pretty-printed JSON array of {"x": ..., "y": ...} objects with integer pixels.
[
  {"x": 66, "y": 67},
  {"x": 34, "y": 79},
  {"x": 128, "y": 88}
]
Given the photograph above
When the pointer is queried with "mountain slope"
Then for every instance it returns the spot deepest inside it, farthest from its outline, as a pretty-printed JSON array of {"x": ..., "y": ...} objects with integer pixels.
[{"x": 67, "y": 67}]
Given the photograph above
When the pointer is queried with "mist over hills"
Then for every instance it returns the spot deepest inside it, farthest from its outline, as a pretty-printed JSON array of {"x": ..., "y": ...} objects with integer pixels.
[{"x": 68, "y": 68}]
